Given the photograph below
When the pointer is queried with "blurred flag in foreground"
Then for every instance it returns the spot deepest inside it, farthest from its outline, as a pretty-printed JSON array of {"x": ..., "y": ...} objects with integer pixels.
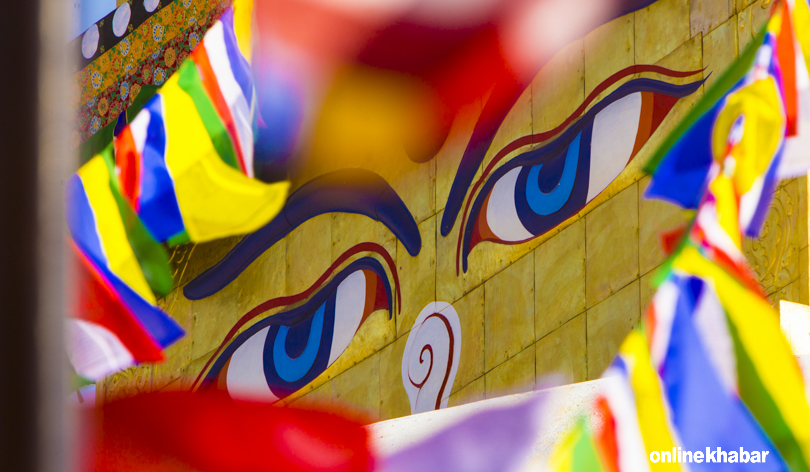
[
  {"x": 192, "y": 432},
  {"x": 708, "y": 367},
  {"x": 186, "y": 432},
  {"x": 710, "y": 354},
  {"x": 185, "y": 162},
  {"x": 114, "y": 321},
  {"x": 694, "y": 353},
  {"x": 745, "y": 130},
  {"x": 728, "y": 154},
  {"x": 498, "y": 439},
  {"x": 182, "y": 170},
  {"x": 345, "y": 81},
  {"x": 768, "y": 377}
]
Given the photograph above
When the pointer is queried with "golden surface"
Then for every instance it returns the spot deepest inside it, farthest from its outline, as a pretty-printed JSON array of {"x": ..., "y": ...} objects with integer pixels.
[
  {"x": 559, "y": 270},
  {"x": 359, "y": 387},
  {"x": 559, "y": 88},
  {"x": 608, "y": 324},
  {"x": 419, "y": 286},
  {"x": 660, "y": 29},
  {"x": 471, "y": 393},
  {"x": 608, "y": 49},
  {"x": 655, "y": 217},
  {"x": 522, "y": 308},
  {"x": 508, "y": 312},
  {"x": 393, "y": 398},
  {"x": 611, "y": 248},
  {"x": 706, "y": 15},
  {"x": 470, "y": 311},
  {"x": 719, "y": 50},
  {"x": 563, "y": 352},
  {"x": 516, "y": 375}
]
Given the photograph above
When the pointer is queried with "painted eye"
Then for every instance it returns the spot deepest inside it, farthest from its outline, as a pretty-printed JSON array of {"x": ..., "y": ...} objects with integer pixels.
[
  {"x": 541, "y": 188},
  {"x": 282, "y": 353}
]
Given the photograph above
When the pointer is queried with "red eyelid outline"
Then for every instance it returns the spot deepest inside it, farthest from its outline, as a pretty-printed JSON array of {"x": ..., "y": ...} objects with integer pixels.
[
  {"x": 289, "y": 300},
  {"x": 540, "y": 137},
  {"x": 607, "y": 83}
]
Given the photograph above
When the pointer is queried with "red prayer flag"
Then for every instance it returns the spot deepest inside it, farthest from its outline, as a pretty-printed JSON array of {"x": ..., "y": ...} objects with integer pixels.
[{"x": 183, "y": 431}]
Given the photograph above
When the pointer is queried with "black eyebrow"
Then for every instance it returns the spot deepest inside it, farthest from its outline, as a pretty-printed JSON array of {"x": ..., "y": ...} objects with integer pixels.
[{"x": 355, "y": 191}]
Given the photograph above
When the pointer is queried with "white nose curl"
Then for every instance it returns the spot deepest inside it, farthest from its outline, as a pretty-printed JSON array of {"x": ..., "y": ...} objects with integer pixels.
[{"x": 431, "y": 357}]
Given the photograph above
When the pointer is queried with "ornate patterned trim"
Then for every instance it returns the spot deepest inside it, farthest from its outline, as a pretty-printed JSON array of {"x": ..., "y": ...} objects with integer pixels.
[
  {"x": 147, "y": 56},
  {"x": 106, "y": 33}
]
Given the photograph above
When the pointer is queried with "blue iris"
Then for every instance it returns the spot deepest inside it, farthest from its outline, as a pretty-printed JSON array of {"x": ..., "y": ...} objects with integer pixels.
[
  {"x": 546, "y": 203},
  {"x": 294, "y": 369}
]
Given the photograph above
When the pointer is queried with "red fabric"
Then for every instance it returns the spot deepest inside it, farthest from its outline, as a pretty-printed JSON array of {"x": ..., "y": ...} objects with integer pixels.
[
  {"x": 182, "y": 431},
  {"x": 209, "y": 81},
  {"x": 786, "y": 52},
  {"x": 458, "y": 64},
  {"x": 670, "y": 239},
  {"x": 606, "y": 437},
  {"x": 97, "y": 302},
  {"x": 128, "y": 161},
  {"x": 485, "y": 53}
]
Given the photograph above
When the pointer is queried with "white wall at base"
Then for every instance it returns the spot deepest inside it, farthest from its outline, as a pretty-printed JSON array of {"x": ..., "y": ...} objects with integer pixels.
[
  {"x": 562, "y": 409},
  {"x": 794, "y": 319},
  {"x": 560, "y": 415}
]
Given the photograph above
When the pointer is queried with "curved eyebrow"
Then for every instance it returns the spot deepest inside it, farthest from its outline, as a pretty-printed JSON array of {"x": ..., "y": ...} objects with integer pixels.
[{"x": 356, "y": 191}]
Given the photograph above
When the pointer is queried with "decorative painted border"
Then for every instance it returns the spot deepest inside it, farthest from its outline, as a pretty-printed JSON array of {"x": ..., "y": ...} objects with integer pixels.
[
  {"x": 102, "y": 36},
  {"x": 147, "y": 56}
]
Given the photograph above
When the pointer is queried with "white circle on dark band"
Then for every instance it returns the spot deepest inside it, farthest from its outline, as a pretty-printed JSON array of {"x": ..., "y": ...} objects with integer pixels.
[
  {"x": 90, "y": 42},
  {"x": 121, "y": 19}
]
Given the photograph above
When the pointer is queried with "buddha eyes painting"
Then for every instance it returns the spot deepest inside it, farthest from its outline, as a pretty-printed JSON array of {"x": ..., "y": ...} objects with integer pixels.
[
  {"x": 542, "y": 187},
  {"x": 513, "y": 201},
  {"x": 280, "y": 354}
]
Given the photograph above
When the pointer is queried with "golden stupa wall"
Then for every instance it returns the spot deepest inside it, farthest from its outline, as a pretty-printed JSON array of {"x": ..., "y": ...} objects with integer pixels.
[{"x": 560, "y": 303}]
